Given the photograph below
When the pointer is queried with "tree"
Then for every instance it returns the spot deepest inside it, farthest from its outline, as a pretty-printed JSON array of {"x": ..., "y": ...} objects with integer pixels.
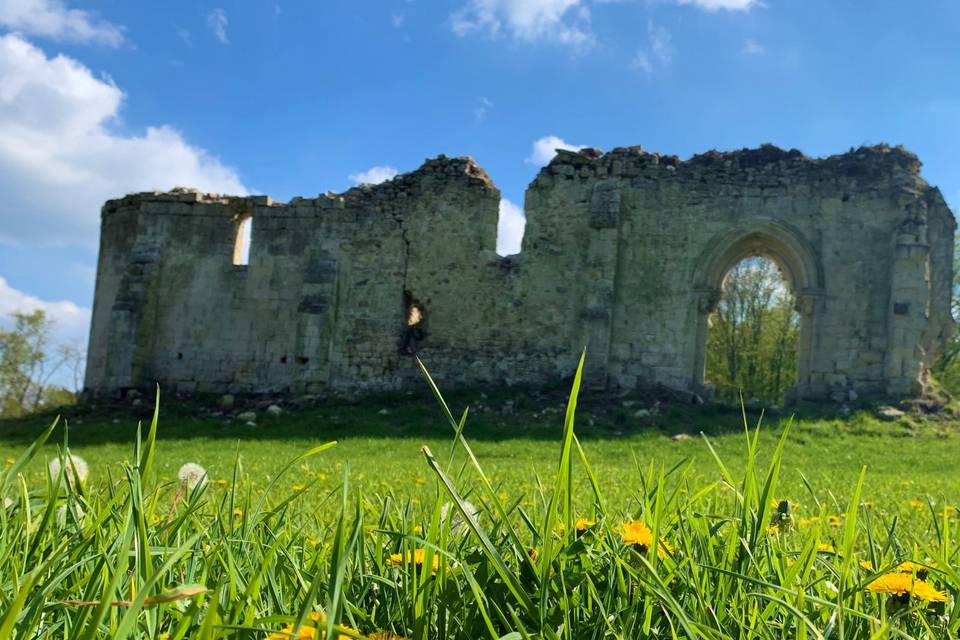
[
  {"x": 28, "y": 363},
  {"x": 751, "y": 348}
]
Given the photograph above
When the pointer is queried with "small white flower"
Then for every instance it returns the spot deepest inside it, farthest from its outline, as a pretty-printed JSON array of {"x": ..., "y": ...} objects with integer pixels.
[
  {"x": 7, "y": 503},
  {"x": 72, "y": 463},
  {"x": 192, "y": 474}
]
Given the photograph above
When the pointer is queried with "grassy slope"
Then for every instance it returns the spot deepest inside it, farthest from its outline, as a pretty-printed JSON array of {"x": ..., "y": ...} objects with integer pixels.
[{"x": 382, "y": 450}]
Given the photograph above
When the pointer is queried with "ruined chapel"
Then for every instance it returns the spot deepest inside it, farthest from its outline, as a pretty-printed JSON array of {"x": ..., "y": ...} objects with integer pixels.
[{"x": 624, "y": 253}]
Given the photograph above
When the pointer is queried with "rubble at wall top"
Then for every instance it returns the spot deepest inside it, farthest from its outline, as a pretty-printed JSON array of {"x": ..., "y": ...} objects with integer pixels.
[
  {"x": 865, "y": 162},
  {"x": 441, "y": 169}
]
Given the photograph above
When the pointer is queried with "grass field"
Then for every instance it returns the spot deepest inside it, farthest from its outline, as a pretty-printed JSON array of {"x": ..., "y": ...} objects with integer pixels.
[
  {"x": 266, "y": 546},
  {"x": 380, "y": 447}
]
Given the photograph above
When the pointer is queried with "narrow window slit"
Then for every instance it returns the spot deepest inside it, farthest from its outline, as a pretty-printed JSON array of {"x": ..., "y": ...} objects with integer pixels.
[{"x": 242, "y": 242}]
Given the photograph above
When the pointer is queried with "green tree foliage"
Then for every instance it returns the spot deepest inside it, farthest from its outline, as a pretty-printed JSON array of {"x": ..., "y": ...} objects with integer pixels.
[
  {"x": 752, "y": 346},
  {"x": 28, "y": 361},
  {"x": 947, "y": 369}
]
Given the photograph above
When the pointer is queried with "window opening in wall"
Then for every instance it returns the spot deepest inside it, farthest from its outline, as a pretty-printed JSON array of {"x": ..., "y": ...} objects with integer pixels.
[
  {"x": 241, "y": 245},
  {"x": 415, "y": 328},
  {"x": 752, "y": 340}
]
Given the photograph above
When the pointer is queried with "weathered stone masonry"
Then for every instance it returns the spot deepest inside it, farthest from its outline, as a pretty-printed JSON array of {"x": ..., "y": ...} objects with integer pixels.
[{"x": 624, "y": 253}]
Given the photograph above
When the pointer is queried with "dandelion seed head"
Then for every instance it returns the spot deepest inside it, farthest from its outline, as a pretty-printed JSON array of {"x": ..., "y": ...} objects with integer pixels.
[
  {"x": 192, "y": 475},
  {"x": 75, "y": 468}
]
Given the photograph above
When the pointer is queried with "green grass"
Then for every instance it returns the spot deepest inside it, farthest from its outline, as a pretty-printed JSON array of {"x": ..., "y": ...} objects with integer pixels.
[
  {"x": 285, "y": 529},
  {"x": 905, "y": 461}
]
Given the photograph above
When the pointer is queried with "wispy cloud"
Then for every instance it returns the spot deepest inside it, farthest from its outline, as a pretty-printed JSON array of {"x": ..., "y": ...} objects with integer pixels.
[
  {"x": 184, "y": 34},
  {"x": 374, "y": 175},
  {"x": 396, "y": 20},
  {"x": 659, "y": 51},
  {"x": 217, "y": 22},
  {"x": 546, "y": 147},
  {"x": 52, "y": 19},
  {"x": 753, "y": 48},
  {"x": 717, "y": 5},
  {"x": 565, "y": 22},
  {"x": 481, "y": 111}
]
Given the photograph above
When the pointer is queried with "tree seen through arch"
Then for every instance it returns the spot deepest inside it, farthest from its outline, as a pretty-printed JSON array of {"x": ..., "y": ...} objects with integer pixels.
[{"x": 752, "y": 340}]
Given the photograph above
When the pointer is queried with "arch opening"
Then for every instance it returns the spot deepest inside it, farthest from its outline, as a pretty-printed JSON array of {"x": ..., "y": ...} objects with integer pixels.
[
  {"x": 751, "y": 348},
  {"x": 798, "y": 267}
]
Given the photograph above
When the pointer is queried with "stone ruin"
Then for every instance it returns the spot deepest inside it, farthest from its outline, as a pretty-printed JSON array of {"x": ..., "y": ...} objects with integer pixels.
[{"x": 624, "y": 253}]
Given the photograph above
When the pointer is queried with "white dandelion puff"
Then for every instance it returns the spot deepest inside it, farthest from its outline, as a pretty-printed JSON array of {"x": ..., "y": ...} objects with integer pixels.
[
  {"x": 458, "y": 525},
  {"x": 192, "y": 475},
  {"x": 74, "y": 464}
]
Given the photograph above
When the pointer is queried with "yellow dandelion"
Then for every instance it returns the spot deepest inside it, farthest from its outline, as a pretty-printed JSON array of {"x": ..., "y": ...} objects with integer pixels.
[
  {"x": 866, "y": 565},
  {"x": 636, "y": 533},
  {"x": 901, "y": 584},
  {"x": 835, "y": 521},
  {"x": 806, "y": 522},
  {"x": 912, "y": 568},
  {"x": 583, "y": 524},
  {"x": 220, "y": 482},
  {"x": 418, "y": 530},
  {"x": 308, "y": 632},
  {"x": 825, "y": 548},
  {"x": 238, "y": 512},
  {"x": 773, "y": 530},
  {"x": 665, "y": 549},
  {"x": 11, "y": 461},
  {"x": 916, "y": 504},
  {"x": 417, "y": 559},
  {"x": 298, "y": 487}
]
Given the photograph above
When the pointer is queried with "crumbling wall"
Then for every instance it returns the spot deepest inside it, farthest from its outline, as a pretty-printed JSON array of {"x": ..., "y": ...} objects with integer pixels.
[{"x": 624, "y": 254}]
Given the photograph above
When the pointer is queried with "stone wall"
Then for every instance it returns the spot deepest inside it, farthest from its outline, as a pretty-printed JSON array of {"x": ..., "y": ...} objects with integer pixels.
[{"x": 624, "y": 253}]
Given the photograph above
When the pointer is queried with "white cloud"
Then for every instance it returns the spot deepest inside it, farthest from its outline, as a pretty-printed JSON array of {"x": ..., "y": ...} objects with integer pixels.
[
  {"x": 546, "y": 147},
  {"x": 71, "y": 322},
  {"x": 510, "y": 226},
  {"x": 51, "y": 19},
  {"x": 374, "y": 175},
  {"x": 716, "y": 5},
  {"x": 563, "y": 21},
  {"x": 753, "y": 48},
  {"x": 396, "y": 20},
  {"x": 59, "y": 160},
  {"x": 217, "y": 21}
]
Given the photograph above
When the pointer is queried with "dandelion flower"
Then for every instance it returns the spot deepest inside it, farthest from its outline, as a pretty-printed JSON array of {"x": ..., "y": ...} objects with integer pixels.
[
  {"x": 417, "y": 558},
  {"x": 866, "y": 565},
  {"x": 636, "y": 533},
  {"x": 582, "y": 525},
  {"x": 307, "y": 632},
  {"x": 825, "y": 548},
  {"x": 192, "y": 475},
  {"x": 384, "y": 635},
  {"x": 238, "y": 512},
  {"x": 909, "y": 567},
  {"x": 901, "y": 584},
  {"x": 74, "y": 465}
]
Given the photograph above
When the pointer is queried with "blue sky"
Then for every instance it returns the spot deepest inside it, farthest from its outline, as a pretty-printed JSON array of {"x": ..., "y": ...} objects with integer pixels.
[{"x": 289, "y": 98}]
